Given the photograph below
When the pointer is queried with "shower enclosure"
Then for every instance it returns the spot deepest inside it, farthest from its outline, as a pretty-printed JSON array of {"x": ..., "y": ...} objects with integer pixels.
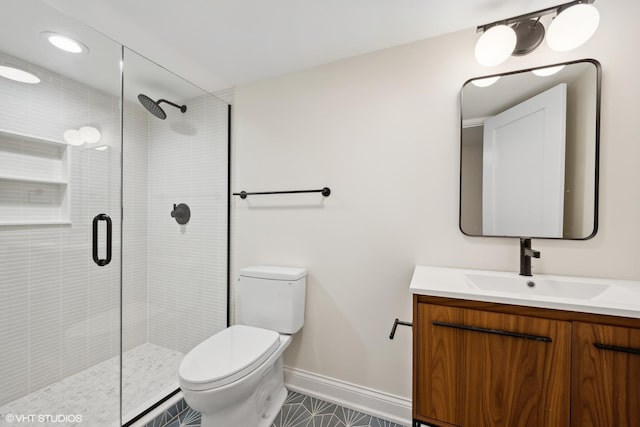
[{"x": 113, "y": 224}]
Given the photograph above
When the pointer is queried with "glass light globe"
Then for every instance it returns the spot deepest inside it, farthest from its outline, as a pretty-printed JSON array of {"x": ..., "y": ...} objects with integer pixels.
[
  {"x": 495, "y": 45},
  {"x": 573, "y": 27},
  {"x": 72, "y": 137},
  {"x": 548, "y": 71},
  {"x": 90, "y": 134},
  {"x": 487, "y": 81}
]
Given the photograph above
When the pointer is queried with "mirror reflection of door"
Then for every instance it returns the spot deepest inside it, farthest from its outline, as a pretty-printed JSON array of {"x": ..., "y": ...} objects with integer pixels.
[
  {"x": 524, "y": 167},
  {"x": 580, "y": 210}
]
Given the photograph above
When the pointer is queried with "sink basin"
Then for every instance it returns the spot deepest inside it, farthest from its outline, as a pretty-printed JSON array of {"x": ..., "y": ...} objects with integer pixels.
[
  {"x": 583, "y": 294},
  {"x": 537, "y": 286}
]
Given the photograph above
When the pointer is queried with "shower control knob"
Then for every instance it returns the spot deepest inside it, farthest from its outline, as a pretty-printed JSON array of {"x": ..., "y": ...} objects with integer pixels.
[{"x": 181, "y": 213}]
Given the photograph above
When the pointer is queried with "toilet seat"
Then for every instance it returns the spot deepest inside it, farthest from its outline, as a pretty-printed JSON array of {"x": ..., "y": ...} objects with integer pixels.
[{"x": 227, "y": 356}]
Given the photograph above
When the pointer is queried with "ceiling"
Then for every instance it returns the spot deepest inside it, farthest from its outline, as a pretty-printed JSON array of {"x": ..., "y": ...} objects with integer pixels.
[
  {"x": 219, "y": 44},
  {"x": 23, "y": 46}
]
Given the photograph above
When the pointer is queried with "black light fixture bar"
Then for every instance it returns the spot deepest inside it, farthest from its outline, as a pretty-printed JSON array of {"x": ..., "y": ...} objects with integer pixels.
[{"x": 532, "y": 15}]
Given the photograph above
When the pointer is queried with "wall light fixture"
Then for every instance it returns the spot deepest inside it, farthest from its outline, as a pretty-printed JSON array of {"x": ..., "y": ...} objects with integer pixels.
[
  {"x": 86, "y": 134},
  {"x": 573, "y": 24},
  {"x": 486, "y": 82}
]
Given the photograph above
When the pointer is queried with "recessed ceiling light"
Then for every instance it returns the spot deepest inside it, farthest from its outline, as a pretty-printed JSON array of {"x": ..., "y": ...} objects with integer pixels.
[
  {"x": 18, "y": 75},
  {"x": 548, "y": 71},
  {"x": 65, "y": 43},
  {"x": 102, "y": 148}
]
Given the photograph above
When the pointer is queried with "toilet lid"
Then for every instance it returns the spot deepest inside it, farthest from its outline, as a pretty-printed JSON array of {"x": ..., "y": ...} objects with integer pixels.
[{"x": 227, "y": 356}]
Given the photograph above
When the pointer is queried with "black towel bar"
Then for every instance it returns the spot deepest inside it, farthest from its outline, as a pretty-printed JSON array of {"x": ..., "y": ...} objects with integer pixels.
[
  {"x": 395, "y": 326},
  {"x": 326, "y": 191}
]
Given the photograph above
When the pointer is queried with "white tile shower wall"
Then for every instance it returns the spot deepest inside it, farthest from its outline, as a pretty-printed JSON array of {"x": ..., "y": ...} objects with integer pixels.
[
  {"x": 58, "y": 311},
  {"x": 134, "y": 223},
  {"x": 187, "y": 263}
]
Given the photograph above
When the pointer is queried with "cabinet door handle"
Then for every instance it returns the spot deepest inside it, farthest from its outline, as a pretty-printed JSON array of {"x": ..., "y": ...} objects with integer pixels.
[
  {"x": 96, "y": 219},
  {"x": 493, "y": 331},
  {"x": 616, "y": 348}
]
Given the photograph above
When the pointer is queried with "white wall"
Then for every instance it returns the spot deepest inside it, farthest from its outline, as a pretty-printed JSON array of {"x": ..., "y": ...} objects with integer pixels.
[{"x": 382, "y": 130}]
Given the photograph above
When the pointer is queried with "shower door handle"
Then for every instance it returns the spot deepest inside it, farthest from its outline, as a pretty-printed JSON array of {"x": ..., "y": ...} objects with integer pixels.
[{"x": 96, "y": 219}]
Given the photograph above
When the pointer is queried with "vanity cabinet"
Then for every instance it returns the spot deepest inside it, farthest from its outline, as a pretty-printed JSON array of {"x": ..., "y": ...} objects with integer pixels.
[
  {"x": 479, "y": 364},
  {"x": 606, "y": 376},
  {"x": 478, "y": 368}
]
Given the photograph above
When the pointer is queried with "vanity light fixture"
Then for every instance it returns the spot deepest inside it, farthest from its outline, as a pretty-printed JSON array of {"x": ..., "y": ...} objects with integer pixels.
[
  {"x": 486, "y": 82},
  {"x": 573, "y": 24},
  {"x": 573, "y": 27},
  {"x": 495, "y": 45},
  {"x": 547, "y": 71},
  {"x": 86, "y": 134},
  {"x": 72, "y": 137},
  {"x": 90, "y": 134},
  {"x": 65, "y": 43},
  {"x": 18, "y": 75}
]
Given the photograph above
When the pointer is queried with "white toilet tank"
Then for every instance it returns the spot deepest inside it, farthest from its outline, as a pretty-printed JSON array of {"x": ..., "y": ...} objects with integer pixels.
[{"x": 272, "y": 297}]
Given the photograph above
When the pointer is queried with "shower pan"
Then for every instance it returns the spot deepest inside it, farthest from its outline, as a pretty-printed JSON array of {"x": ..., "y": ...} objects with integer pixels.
[{"x": 101, "y": 293}]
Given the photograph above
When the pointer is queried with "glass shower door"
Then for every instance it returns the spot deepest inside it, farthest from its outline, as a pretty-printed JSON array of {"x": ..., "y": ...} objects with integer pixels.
[
  {"x": 60, "y": 207},
  {"x": 175, "y": 141}
]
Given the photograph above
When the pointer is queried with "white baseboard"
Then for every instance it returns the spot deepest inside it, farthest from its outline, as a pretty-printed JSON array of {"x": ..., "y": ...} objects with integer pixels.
[{"x": 372, "y": 402}]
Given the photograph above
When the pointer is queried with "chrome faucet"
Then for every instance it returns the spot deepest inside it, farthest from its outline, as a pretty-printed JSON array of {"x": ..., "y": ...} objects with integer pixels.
[{"x": 526, "y": 253}]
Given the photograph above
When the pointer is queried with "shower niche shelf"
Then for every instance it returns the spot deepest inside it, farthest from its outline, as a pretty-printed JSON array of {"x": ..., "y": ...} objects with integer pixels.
[{"x": 34, "y": 180}]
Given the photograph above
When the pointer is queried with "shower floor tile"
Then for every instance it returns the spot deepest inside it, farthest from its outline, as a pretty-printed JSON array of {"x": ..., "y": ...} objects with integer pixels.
[{"x": 149, "y": 373}]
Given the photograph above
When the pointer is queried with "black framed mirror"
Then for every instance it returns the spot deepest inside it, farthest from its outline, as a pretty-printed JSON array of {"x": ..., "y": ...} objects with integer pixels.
[{"x": 529, "y": 145}]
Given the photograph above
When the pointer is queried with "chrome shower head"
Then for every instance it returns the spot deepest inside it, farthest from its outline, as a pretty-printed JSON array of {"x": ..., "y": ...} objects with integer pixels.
[{"x": 154, "y": 108}]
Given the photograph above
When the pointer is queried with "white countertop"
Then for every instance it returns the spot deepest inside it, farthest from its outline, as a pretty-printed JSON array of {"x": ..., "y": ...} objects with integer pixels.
[{"x": 581, "y": 294}]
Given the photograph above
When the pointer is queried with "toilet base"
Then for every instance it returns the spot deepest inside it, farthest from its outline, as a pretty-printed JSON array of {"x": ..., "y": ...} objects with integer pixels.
[
  {"x": 274, "y": 407},
  {"x": 249, "y": 419},
  {"x": 258, "y": 409}
]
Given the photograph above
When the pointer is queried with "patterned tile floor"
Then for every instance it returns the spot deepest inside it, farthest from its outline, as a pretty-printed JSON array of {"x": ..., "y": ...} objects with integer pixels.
[{"x": 298, "y": 411}]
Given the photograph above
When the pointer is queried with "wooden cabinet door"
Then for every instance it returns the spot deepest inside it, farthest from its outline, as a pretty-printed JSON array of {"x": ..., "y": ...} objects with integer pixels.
[
  {"x": 437, "y": 365},
  {"x": 481, "y": 369},
  {"x": 517, "y": 371},
  {"x": 606, "y": 376}
]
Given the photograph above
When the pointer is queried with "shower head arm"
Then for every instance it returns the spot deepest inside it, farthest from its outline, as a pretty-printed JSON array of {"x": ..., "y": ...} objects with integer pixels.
[{"x": 182, "y": 108}]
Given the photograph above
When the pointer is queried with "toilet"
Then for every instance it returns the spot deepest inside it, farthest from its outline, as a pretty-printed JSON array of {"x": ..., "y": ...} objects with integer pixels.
[{"x": 235, "y": 377}]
